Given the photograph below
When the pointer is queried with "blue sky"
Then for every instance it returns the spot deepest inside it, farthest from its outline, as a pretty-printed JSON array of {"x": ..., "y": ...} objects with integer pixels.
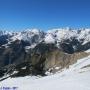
[{"x": 44, "y": 14}]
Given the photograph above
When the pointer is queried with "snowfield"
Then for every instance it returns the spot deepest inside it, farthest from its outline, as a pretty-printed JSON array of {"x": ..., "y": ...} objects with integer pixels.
[{"x": 77, "y": 77}]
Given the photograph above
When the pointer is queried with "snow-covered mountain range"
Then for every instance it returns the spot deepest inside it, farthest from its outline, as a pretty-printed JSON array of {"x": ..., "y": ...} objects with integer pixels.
[
  {"x": 37, "y": 52},
  {"x": 56, "y": 36},
  {"x": 53, "y": 35}
]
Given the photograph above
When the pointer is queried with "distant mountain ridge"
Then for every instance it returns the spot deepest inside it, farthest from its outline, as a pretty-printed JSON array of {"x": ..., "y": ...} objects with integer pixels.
[{"x": 55, "y": 36}]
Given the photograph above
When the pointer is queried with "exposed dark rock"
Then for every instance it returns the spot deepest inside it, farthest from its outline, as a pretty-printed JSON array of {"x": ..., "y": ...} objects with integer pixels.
[{"x": 39, "y": 59}]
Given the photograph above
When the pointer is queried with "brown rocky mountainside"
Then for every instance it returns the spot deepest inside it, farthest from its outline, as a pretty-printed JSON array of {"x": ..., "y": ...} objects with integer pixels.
[{"x": 15, "y": 61}]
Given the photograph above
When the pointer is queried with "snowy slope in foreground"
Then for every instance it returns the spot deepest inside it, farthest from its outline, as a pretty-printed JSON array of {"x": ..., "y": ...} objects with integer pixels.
[{"x": 77, "y": 77}]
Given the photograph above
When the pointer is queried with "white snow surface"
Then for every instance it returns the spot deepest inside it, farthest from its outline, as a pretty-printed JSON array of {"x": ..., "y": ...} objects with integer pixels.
[
  {"x": 77, "y": 77},
  {"x": 87, "y": 51},
  {"x": 49, "y": 38}
]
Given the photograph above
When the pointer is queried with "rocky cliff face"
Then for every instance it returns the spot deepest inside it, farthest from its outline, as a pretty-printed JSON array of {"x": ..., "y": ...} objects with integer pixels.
[{"x": 36, "y": 52}]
